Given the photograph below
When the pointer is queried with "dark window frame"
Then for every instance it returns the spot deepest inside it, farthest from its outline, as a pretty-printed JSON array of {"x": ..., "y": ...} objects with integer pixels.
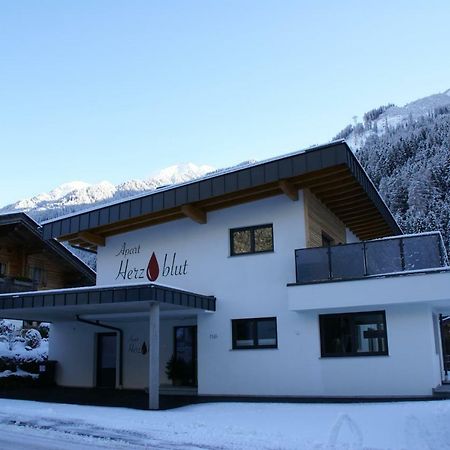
[
  {"x": 327, "y": 240},
  {"x": 41, "y": 280},
  {"x": 322, "y": 326},
  {"x": 252, "y": 239},
  {"x": 255, "y": 346},
  {"x": 3, "y": 265}
]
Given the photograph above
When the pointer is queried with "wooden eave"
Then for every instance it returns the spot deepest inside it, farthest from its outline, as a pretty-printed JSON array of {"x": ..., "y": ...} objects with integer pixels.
[
  {"x": 362, "y": 217},
  {"x": 331, "y": 173}
]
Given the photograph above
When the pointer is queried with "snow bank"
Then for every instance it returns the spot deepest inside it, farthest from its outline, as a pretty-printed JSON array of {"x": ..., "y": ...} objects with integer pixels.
[
  {"x": 20, "y": 352},
  {"x": 405, "y": 425},
  {"x": 18, "y": 373}
]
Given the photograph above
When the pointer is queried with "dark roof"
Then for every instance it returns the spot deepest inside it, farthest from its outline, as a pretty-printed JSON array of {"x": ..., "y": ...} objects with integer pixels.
[
  {"x": 101, "y": 295},
  {"x": 334, "y": 165},
  {"x": 23, "y": 219}
]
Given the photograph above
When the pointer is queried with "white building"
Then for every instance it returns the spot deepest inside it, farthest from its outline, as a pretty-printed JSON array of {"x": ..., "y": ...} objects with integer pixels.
[{"x": 252, "y": 282}]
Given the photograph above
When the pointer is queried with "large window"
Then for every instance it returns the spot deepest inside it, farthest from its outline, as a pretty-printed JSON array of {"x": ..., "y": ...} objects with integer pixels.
[
  {"x": 256, "y": 239},
  {"x": 255, "y": 333},
  {"x": 3, "y": 269},
  {"x": 353, "y": 334}
]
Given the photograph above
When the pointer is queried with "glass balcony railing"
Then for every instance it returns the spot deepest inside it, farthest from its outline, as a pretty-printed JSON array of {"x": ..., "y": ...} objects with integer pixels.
[{"x": 369, "y": 258}]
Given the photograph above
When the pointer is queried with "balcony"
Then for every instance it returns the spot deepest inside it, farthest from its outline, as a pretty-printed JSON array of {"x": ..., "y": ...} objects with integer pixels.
[
  {"x": 396, "y": 255},
  {"x": 10, "y": 285}
]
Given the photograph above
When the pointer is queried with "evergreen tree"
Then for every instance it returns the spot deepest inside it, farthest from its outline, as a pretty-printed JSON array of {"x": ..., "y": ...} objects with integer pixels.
[{"x": 410, "y": 166}]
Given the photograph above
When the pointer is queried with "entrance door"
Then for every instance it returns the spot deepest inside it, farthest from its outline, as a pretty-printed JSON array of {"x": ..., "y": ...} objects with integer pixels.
[
  {"x": 106, "y": 359},
  {"x": 186, "y": 351}
]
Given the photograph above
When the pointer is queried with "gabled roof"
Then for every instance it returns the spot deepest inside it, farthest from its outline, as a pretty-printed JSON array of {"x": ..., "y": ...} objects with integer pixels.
[
  {"x": 330, "y": 171},
  {"x": 21, "y": 219}
]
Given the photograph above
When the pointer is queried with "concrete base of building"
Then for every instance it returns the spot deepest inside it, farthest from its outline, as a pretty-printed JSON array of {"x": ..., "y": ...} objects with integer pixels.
[{"x": 138, "y": 399}]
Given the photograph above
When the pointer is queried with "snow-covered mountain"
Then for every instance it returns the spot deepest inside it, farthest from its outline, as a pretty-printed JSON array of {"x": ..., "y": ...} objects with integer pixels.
[
  {"x": 76, "y": 195},
  {"x": 380, "y": 120}
]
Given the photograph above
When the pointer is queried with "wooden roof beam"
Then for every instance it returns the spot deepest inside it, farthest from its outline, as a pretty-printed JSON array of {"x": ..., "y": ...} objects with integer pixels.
[
  {"x": 289, "y": 189},
  {"x": 357, "y": 212},
  {"x": 194, "y": 213},
  {"x": 338, "y": 194},
  {"x": 367, "y": 229},
  {"x": 333, "y": 186},
  {"x": 358, "y": 205},
  {"x": 353, "y": 217},
  {"x": 95, "y": 240},
  {"x": 349, "y": 194},
  {"x": 143, "y": 221},
  {"x": 370, "y": 221},
  {"x": 322, "y": 174}
]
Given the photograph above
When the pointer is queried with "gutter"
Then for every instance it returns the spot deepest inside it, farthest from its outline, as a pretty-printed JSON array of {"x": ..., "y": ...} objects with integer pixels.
[{"x": 109, "y": 327}]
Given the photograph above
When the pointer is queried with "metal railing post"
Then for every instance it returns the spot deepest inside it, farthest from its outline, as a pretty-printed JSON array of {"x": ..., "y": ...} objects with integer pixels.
[
  {"x": 366, "y": 272},
  {"x": 330, "y": 271},
  {"x": 402, "y": 254}
]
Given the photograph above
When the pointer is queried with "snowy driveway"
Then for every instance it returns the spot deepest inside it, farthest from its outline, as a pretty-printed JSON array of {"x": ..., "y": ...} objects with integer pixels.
[
  {"x": 374, "y": 426},
  {"x": 47, "y": 432}
]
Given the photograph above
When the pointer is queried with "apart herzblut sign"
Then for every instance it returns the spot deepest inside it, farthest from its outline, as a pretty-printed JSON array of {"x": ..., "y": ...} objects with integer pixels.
[{"x": 171, "y": 266}]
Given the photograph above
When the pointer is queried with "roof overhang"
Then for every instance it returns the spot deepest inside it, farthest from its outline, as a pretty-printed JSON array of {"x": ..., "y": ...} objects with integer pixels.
[
  {"x": 331, "y": 172},
  {"x": 28, "y": 233},
  {"x": 68, "y": 303}
]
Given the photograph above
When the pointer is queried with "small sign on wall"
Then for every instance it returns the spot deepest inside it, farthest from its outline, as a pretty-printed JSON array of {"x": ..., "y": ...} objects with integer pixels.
[{"x": 137, "y": 346}]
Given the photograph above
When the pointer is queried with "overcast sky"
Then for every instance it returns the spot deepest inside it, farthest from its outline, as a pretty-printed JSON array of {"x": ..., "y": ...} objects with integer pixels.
[{"x": 114, "y": 90}]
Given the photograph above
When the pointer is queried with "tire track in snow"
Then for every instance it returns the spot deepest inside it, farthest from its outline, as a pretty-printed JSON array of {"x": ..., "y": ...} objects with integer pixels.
[{"x": 77, "y": 432}]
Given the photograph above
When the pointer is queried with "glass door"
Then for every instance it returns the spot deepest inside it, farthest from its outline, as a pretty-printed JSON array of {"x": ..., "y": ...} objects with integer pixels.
[
  {"x": 185, "y": 352},
  {"x": 106, "y": 359}
]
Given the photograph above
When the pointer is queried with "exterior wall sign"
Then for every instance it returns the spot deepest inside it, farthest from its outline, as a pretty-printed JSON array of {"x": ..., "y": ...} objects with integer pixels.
[
  {"x": 127, "y": 270},
  {"x": 136, "y": 346}
]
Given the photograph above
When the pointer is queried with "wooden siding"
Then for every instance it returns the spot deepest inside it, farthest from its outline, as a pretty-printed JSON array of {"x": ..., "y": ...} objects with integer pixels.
[
  {"x": 319, "y": 219},
  {"x": 54, "y": 275},
  {"x": 12, "y": 257}
]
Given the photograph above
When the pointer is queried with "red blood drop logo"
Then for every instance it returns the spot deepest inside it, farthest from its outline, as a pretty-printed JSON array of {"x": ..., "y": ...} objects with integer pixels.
[{"x": 153, "y": 268}]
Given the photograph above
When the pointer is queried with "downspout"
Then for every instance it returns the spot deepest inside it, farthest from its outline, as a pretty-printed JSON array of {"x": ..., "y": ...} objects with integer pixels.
[{"x": 109, "y": 327}]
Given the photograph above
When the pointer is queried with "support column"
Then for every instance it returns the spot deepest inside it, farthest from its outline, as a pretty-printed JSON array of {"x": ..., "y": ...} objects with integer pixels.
[{"x": 153, "y": 357}]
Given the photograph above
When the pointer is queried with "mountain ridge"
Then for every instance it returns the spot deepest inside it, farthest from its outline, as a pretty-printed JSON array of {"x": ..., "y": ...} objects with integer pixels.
[
  {"x": 381, "y": 120},
  {"x": 77, "y": 195}
]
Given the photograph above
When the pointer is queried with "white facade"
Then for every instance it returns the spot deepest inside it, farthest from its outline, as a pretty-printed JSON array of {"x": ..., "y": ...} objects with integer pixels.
[{"x": 197, "y": 258}]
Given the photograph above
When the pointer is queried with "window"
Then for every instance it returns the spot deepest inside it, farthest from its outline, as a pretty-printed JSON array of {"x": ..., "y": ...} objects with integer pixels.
[
  {"x": 327, "y": 241},
  {"x": 37, "y": 274},
  {"x": 255, "y": 333},
  {"x": 3, "y": 269},
  {"x": 257, "y": 239},
  {"x": 353, "y": 334}
]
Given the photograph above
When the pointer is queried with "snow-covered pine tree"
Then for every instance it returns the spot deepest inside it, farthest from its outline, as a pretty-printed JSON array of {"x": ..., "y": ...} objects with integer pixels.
[{"x": 410, "y": 166}]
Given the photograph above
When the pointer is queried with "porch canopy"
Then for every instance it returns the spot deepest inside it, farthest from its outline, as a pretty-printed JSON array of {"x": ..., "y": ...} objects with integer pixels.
[
  {"x": 106, "y": 302},
  {"x": 65, "y": 304}
]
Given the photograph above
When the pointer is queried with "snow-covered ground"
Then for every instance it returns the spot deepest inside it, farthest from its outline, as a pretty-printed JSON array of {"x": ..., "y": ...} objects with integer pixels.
[{"x": 406, "y": 425}]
